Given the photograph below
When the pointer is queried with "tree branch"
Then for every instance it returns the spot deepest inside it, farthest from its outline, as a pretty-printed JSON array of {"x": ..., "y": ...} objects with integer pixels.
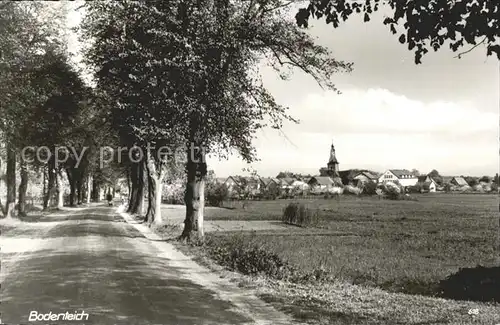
[{"x": 459, "y": 55}]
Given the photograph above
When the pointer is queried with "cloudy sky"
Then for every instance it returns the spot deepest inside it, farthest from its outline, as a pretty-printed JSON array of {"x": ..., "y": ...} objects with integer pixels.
[{"x": 442, "y": 114}]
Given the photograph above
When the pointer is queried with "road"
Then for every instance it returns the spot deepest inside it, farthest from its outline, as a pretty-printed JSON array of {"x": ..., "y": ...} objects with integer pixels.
[{"x": 92, "y": 260}]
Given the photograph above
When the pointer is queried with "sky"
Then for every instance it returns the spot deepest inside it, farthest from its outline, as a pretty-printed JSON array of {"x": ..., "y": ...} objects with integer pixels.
[{"x": 442, "y": 114}]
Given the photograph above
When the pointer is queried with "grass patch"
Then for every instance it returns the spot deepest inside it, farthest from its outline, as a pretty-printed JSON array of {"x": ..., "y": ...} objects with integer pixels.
[{"x": 399, "y": 246}]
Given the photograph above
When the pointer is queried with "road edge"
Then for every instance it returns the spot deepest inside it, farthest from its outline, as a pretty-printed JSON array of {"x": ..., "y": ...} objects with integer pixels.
[{"x": 244, "y": 300}]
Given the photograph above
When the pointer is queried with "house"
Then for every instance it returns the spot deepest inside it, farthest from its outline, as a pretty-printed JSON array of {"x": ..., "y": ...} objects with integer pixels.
[
  {"x": 455, "y": 180},
  {"x": 403, "y": 176},
  {"x": 232, "y": 183},
  {"x": 427, "y": 183},
  {"x": 252, "y": 184},
  {"x": 323, "y": 183},
  {"x": 245, "y": 184},
  {"x": 269, "y": 183},
  {"x": 286, "y": 183},
  {"x": 365, "y": 177}
]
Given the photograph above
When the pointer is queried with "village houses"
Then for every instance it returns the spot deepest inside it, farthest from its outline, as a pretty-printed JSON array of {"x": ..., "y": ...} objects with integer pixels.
[{"x": 331, "y": 177}]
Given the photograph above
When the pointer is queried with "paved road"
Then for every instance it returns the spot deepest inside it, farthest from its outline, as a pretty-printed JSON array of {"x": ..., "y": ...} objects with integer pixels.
[{"x": 91, "y": 260}]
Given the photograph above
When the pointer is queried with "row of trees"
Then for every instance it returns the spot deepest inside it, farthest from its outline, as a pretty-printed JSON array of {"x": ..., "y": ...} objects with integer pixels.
[{"x": 46, "y": 107}]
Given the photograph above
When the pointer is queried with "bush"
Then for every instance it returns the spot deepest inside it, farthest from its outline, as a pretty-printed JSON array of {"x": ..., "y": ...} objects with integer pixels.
[
  {"x": 217, "y": 194},
  {"x": 349, "y": 189},
  {"x": 369, "y": 188},
  {"x": 465, "y": 189},
  {"x": 478, "y": 188},
  {"x": 417, "y": 188},
  {"x": 336, "y": 190},
  {"x": 237, "y": 254},
  {"x": 391, "y": 191},
  {"x": 174, "y": 193},
  {"x": 494, "y": 187},
  {"x": 249, "y": 259},
  {"x": 298, "y": 214}
]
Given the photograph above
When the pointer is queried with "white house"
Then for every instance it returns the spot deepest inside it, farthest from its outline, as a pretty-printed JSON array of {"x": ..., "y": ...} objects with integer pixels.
[{"x": 403, "y": 176}]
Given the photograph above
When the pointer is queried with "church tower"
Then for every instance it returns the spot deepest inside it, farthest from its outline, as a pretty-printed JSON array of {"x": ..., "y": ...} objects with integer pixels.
[{"x": 333, "y": 164}]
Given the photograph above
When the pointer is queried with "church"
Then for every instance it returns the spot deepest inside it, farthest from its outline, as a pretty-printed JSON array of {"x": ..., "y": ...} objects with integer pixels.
[{"x": 332, "y": 168}]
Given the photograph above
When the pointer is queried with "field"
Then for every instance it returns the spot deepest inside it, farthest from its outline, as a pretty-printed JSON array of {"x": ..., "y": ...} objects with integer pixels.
[{"x": 400, "y": 246}]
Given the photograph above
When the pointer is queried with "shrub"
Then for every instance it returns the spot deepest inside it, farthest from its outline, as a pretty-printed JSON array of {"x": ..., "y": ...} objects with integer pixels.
[
  {"x": 249, "y": 259},
  {"x": 298, "y": 214},
  {"x": 417, "y": 188},
  {"x": 336, "y": 190},
  {"x": 391, "y": 191},
  {"x": 217, "y": 194},
  {"x": 369, "y": 188},
  {"x": 494, "y": 187},
  {"x": 478, "y": 188},
  {"x": 237, "y": 254},
  {"x": 465, "y": 189},
  {"x": 349, "y": 189},
  {"x": 174, "y": 193}
]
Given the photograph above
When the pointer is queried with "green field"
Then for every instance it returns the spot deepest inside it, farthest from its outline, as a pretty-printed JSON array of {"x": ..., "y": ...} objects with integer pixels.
[{"x": 402, "y": 246}]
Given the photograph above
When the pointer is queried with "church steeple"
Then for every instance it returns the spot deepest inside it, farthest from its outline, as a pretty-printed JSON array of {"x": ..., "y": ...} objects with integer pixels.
[
  {"x": 333, "y": 164},
  {"x": 333, "y": 158}
]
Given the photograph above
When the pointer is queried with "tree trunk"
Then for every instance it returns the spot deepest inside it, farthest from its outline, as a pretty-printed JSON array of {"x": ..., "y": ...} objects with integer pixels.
[
  {"x": 201, "y": 208},
  {"x": 129, "y": 186},
  {"x": 89, "y": 187},
  {"x": 45, "y": 187},
  {"x": 23, "y": 187},
  {"x": 155, "y": 177},
  {"x": 79, "y": 189},
  {"x": 133, "y": 187},
  {"x": 137, "y": 197},
  {"x": 150, "y": 212},
  {"x": 11, "y": 181},
  {"x": 52, "y": 186},
  {"x": 60, "y": 190},
  {"x": 196, "y": 172},
  {"x": 72, "y": 186},
  {"x": 95, "y": 190}
]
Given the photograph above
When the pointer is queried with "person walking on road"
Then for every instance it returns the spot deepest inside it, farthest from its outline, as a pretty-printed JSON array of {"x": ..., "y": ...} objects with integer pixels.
[{"x": 109, "y": 198}]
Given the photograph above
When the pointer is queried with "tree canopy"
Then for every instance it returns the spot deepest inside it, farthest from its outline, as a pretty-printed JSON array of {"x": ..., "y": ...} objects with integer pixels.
[{"x": 427, "y": 24}]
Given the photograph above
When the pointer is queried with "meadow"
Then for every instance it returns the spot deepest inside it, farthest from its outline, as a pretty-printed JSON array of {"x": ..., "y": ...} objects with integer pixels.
[{"x": 399, "y": 246}]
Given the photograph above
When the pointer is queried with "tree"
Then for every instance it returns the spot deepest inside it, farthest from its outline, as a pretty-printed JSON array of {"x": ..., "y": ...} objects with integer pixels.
[
  {"x": 29, "y": 30},
  {"x": 485, "y": 179},
  {"x": 284, "y": 174},
  {"x": 369, "y": 188},
  {"x": 426, "y": 26},
  {"x": 54, "y": 119},
  {"x": 206, "y": 92},
  {"x": 472, "y": 181},
  {"x": 415, "y": 172},
  {"x": 136, "y": 87},
  {"x": 217, "y": 194},
  {"x": 434, "y": 174}
]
